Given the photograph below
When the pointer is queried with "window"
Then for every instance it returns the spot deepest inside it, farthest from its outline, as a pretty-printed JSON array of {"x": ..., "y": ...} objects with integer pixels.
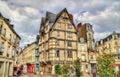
[
  {"x": 69, "y": 35},
  {"x": 69, "y": 26},
  {"x": 86, "y": 66},
  {"x": 59, "y": 26},
  {"x": 0, "y": 27},
  {"x": 65, "y": 19},
  {"x": 89, "y": 36},
  {"x": 82, "y": 68},
  {"x": 69, "y": 44},
  {"x": 82, "y": 48},
  {"x": 4, "y": 32},
  {"x": 115, "y": 37},
  {"x": 69, "y": 54},
  {"x": 13, "y": 53},
  {"x": 117, "y": 51},
  {"x": 91, "y": 56},
  {"x": 90, "y": 45},
  {"x": 58, "y": 33},
  {"x": 10, "y": 37},
  {"x": 1, "y": 48},
  {"x": 83, "y": 57},
  {"x": 8, "y": 51},
  {"x": 57, "y": 43},
  {"x": 82, "y": 40},
  {"x": 57, "y": 53},
  {"x": 116, "y": 43}
]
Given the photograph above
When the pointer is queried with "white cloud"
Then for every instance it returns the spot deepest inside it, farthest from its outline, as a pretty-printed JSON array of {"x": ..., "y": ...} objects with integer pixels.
[{"x": 26, "y": 14}]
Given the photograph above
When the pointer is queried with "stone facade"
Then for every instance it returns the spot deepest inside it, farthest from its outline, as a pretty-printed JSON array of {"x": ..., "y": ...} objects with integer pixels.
[{"x": 9, "y": 44}]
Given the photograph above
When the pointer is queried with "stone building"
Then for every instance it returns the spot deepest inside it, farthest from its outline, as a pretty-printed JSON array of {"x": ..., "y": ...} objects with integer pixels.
[
  {"x": 27, "y": 58},
  {"x": 9, "y": 44},
  {"x": 61, "y": 42},
  {"x": 111, "y": 46},
  {"x": 58, "y": 40}
]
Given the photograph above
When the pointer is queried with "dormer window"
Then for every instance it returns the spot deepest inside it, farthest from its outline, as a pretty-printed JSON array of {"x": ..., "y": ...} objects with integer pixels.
[
  {"x": 65, "y": 19},
  {"x": 115, "y": 37}
]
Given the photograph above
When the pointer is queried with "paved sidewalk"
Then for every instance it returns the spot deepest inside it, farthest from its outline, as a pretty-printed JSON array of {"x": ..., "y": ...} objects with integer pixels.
[{"x": 34, "y": 75}]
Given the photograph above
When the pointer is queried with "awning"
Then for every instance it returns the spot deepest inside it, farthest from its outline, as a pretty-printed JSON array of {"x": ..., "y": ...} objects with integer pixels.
[{"x": 115, "y": 64}]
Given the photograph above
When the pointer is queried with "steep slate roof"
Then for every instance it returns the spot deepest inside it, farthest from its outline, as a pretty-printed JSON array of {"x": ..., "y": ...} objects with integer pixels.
[
  {"x": 52, "y": 18},
  {"x": 109, "y": 37},
  {"x": 59, "y": 14}
]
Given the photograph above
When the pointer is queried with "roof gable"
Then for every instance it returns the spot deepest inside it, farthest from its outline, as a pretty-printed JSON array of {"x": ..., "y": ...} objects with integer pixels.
[{"x": 69, "y": 16}]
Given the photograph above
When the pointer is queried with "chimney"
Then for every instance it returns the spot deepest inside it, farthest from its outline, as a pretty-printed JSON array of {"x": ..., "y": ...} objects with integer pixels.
[
  {"x": 12, "y": 25},
  {"x": 79, "y": 25},
  {"x": 71, "y": 16}
]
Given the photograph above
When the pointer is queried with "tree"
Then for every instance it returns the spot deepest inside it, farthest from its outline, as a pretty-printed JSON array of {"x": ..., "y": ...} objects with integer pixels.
[
  {"x": 104, "y": 66},
  {"x": 65, "y": 70},
  {"x": 58, "y": 69},
  {"x": 77, "y": 66}
]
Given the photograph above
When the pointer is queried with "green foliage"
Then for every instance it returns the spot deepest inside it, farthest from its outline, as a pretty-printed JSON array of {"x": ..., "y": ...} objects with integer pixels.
[
  {"x": 58, "y": 69},
  {"x": 65, "y": 70},
  {"x": 77, "y": 66},
  {"x": 104, "y": 67}
]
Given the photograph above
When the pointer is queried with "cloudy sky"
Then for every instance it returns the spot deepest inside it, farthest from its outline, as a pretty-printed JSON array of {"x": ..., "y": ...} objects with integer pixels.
[{"x": 104, "y": 15}]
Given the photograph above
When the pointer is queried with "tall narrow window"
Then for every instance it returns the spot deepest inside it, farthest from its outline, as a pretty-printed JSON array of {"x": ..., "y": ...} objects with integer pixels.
[
  {"x": 59, "y": 26},
  {"x": 58, "y": 33},
  {"x": 13, "y": 53},
  {"x": 89, "y": 36},
  {"x": 1, "y": 48},
  {"x": 69, "y": 54},
  {"x": 57, "y": 53},
  {"x": 116, "y": 43},
  {"x": 69, "y": 44},
  {"x": 10, "y": 37},
  {"x": 82, "y": 48},
  {"x": 8, "y": 51},
  {"x": 83, "y": 57},
  {"x": 4, "y": 32},
  {"x": 0, "y": 27}
]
